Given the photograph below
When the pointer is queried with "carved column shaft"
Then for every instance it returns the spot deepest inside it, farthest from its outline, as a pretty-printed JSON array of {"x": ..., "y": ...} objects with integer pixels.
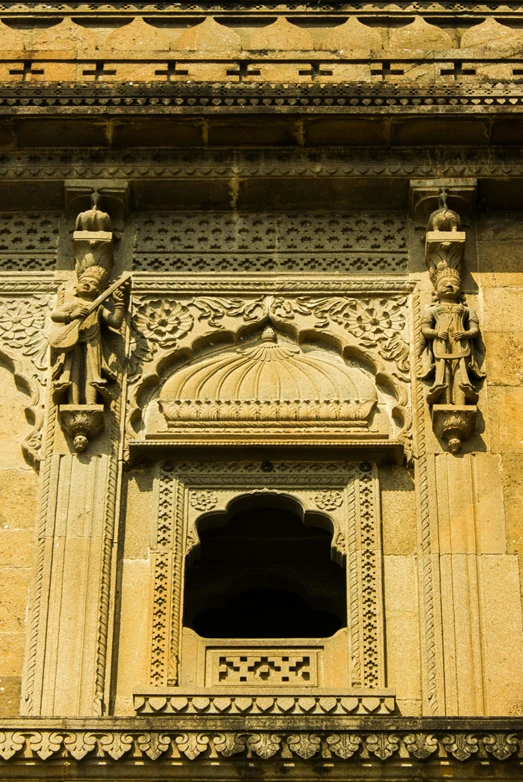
[{"x": 68, "y": 656}]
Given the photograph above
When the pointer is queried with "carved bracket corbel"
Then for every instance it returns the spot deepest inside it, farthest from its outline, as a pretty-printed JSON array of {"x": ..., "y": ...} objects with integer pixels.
[
  {"x": 450, "y": 328},
  {"x": 84, "y": 365}
]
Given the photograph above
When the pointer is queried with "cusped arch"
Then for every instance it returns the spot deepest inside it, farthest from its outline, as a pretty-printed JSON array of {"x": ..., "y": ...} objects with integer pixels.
[
  {"x": 297, "y": 501},
  {"x": 258, "y": 549},
  {"x": 166, "y": 397}
]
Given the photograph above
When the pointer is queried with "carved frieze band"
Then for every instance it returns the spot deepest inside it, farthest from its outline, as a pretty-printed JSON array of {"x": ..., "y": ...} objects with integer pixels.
[
  {"x": 33, "y": 743},
  {"x": 325, "y": 704},
  {"x": 168, "y": 583}
]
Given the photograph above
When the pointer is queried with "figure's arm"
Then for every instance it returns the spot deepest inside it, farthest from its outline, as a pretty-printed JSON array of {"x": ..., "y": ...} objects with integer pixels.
[
  {"x": 427, "y": 327},
  {"x": 115, "y": 319},
  {"x": 473, "y": 330},
  {"x": 68, "y": 313}
]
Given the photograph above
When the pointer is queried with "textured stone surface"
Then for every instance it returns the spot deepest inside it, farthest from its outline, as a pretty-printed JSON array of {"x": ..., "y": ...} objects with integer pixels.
[{"x": 261, "y": 167}]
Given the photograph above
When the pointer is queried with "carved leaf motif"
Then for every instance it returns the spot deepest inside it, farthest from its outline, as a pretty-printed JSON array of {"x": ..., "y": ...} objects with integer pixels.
[
  {"x": 461, "y": 745},
  {"x": 115, "y": 744},
  {"x": 383, "y": 745},
  {"x": 192, "y": 744},
  {"x": 499, "y": 745},
  {"x": 421, "y": 745},
  {"x": 215, "y": 310},
  {"x": 265, "y": 745},
  {"x": 22, "y": 328},
  {"x": 78, "y": 745},
  {"x": 153, "y": 744},
  {"x": 45, "y": 743},
  {"x": 343, "y": 745},
  {"x": 304, "y": 745},
  {"x": 11, "y": 742},
  {"x": 227, "y": 744}
]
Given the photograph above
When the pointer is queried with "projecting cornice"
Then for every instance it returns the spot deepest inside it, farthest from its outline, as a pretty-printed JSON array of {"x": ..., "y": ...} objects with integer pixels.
[{"x": 184, "y": 749}]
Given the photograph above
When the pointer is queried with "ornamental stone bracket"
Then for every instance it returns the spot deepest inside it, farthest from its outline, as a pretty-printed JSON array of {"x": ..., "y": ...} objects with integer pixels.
[
  {"x": 450, "y": 355},
  {"x": 84, "y": 366}
]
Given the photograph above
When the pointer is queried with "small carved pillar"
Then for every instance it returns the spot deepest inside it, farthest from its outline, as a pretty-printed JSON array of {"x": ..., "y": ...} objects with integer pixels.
[
  {"x": 449, "y": 331},
  {"x": 68, "y": 660}
]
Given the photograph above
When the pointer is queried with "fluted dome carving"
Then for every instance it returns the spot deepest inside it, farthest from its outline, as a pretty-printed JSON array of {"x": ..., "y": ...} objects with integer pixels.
[{"x": 270, "y": 381}]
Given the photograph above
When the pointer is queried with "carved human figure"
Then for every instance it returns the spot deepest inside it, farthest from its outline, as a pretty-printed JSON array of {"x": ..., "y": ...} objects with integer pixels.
[
  {"x": 81, "y": 370},
  {"x": 450, "y": 328}
]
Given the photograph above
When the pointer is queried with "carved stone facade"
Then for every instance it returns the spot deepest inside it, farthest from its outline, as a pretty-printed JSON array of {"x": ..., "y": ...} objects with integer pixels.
[{"x": 260, "y": 372}]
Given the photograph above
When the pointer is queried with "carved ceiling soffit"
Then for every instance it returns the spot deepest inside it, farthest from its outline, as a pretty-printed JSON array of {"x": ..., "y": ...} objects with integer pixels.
[{"x": 165, "y": 331}]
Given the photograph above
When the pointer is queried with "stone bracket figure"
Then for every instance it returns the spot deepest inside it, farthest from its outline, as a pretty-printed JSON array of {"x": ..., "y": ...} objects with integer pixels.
[
  {"x": 82, "y": 372},
  {"x": 450, "y": 330}
]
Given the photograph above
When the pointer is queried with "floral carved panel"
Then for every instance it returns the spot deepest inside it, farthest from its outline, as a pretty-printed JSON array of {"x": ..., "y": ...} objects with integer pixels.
[{"x": 368, "y": 332}]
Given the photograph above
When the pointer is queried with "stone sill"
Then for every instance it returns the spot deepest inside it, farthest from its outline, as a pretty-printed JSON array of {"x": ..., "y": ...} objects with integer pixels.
[{"x": 259, "y": 701}]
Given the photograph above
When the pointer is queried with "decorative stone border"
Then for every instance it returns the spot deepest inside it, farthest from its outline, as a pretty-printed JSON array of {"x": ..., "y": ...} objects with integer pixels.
[
  {"x": 258, "y": 98},
  {"x": 248, "y": 703},
  {"x": 135, "y": 741}
]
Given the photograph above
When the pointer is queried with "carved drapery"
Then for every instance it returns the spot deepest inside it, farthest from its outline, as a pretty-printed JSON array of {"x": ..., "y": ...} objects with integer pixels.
[{"x": 347, "y": 493}]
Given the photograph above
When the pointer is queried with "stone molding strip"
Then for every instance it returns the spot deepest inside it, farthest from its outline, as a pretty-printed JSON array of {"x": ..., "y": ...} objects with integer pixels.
[
  {"x": 26, "y": 741},
  {"x": 329, "y": 704},
  {"x": 262, "y": 98},
  {"x": 246, "y": 9}
]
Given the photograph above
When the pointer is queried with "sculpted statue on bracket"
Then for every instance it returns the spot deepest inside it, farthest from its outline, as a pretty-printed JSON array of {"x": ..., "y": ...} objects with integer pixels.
[
  {"x": 450, "y": 330},
  {"x": 83, "y": 367}
]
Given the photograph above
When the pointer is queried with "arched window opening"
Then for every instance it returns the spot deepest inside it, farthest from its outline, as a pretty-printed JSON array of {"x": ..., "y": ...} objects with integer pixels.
[{"x": 264, "y": 573}]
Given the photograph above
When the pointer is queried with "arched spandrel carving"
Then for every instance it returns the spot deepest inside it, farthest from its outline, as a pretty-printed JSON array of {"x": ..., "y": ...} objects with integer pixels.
[
  {"x": 25, "y": 353},
  {"x": 369, "y": 336},
  {"x": 304, "y": 503}
]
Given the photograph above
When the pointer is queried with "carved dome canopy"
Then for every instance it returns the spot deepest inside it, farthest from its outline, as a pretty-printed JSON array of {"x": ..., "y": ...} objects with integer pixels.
[{"x": 270, "y": 381}]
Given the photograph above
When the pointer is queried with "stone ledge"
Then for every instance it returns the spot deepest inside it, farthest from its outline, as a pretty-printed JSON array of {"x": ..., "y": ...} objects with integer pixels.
[
  {"x": 391, "y": 739},
  {"x": 243, "y": 701}
]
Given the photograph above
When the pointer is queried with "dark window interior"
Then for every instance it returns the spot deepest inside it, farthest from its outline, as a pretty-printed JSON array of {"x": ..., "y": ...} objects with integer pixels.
[{"x": 264, "y": 573}]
